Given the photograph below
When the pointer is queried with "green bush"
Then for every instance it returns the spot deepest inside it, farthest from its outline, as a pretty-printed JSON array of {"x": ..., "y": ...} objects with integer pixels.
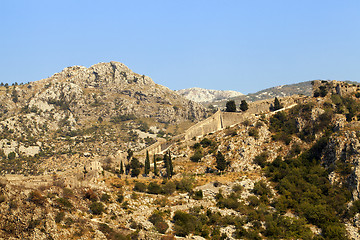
[
  {"x": 140, "y": 187},
  {"x": 206, "y": 142},
  {"x": 184, "y": 223},
  {"x": 198, "y": 195},
  {"x": 154, "y": 188},
  {"x": 261, "y": 159},
  {"x": 64, "y": 203},
  {"x": 197, "y": 155},
  {"x": 186, "y": 184},
  {"x": 97, "y": 208},
  {"x": 157, "y": 219},
  {"x": 169, "y": 188}
]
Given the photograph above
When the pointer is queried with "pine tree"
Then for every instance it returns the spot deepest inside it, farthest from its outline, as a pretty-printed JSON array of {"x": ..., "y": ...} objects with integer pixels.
[
  {"x": 230, "y": 106},
  {"x": 244, "y": 106},
  {"x": 277, "y": 104},
  {"x": 155, "y": 167},
  {"x": 147, "y": 163},
  {"x": 121, "y": 168},
  {"x": 221, "y": 164}
]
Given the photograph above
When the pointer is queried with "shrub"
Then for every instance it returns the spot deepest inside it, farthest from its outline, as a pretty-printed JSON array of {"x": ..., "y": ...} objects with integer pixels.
[
  {"x": 140, "y": 187},
  {"x": 157, "y": 220},
  {"x": 185, "y": 184},
  {"x": 206, "y": 142},
  {"x": 36, "y": 197},
  {"x": 261, "y": 159},
  {"x": 184, "y": 223},
  {"x": 154, "y": 188},
  {"x": 260, "y": 188},
  {"x": 169, "y": 188},
  {"x": 64, "y": 203},
  {"x": 254, "y": 132},
  {"x": 198, "y": 195},
  {"x": 59, "y": 217},
  {"x": 197, "y": 156},
  {"x": 97, "y": 208}
]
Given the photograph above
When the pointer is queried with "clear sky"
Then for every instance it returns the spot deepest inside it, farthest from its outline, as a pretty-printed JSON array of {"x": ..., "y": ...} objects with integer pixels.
[{"x": 242, "y": 45}]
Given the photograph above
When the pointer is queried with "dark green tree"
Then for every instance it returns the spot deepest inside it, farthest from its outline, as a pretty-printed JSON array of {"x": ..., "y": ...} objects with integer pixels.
[
  {"x": 221, "y": 164},
  {"x": 135, "y": 166},
  {"x": 156, "y": 172},
  {"x": 277, "y": 104},
  {"x": 130, "y": 154},
  {"x": 244, "y": 106},
  {"x": 168, "y": 164},
  {"x": 171, "y": 164},
  {"x": 147, "y": 163},
  {"x": 230, "y": 106},
  {"x": 121, "y": 168}
]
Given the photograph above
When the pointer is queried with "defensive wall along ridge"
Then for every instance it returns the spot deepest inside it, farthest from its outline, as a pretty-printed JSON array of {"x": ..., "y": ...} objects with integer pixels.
[{"x": 220, "y": 120}]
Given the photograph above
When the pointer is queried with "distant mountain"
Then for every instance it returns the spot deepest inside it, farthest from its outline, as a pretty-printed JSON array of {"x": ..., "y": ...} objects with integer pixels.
[
  {"x": 207, "y": 95},
  {"x": 302, "y": 88}
]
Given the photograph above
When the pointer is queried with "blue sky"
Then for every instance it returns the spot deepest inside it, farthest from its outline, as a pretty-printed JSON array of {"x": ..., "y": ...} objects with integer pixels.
[{"x": 227, "y": 45}]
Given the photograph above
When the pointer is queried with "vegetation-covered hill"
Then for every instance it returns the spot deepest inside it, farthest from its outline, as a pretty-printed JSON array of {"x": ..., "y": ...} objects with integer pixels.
[{"x": 290, "y": 174}]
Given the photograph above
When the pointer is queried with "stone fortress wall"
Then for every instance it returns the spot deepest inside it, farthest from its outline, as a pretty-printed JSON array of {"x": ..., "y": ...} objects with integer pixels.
[{"x": 218, "y": 121}]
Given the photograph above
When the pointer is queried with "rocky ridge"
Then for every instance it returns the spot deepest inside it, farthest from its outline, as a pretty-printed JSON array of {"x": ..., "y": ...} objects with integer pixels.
[{"x": 207, "y": 95}]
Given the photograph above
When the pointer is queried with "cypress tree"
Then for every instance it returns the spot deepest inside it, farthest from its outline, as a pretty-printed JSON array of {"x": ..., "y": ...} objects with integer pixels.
[
  {"x": 155, "y": 167},
  {"x": 277, "y": 104},
  {"x": 170, "y": 165},
  {"x": 167, "y": 165},
  {"x": 121, "y": 168},
  {"x": 147, "y": 163}
]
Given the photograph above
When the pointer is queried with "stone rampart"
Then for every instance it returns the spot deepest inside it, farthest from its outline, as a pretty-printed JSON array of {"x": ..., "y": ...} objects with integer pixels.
[{"x": 218, "y": 121}]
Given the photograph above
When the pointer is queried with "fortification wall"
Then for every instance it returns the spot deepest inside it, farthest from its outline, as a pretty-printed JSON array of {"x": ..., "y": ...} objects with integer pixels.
[
  {"x": 211, "y": 124},
  {"x": 218, "y": 121}
]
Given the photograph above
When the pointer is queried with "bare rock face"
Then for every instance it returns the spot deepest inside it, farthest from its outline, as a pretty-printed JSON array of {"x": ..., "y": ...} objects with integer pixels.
[
  {"x": 207, "y": 95},
  {"x": 344, "y": 152}
]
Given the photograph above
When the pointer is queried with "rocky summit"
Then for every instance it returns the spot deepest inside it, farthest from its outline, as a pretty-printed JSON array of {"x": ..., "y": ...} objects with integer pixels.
[
  {"x": 105, "y": 153},
  {"x": 98, "y": 110}
]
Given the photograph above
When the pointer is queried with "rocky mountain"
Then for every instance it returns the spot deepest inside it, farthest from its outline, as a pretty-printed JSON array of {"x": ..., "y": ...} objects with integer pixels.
[
  {"x": 302, "y": 88},
  {"x": 98, "y": 110},
  {"x": 206, "y": 95},
  {"x": 259, "y": 174}
]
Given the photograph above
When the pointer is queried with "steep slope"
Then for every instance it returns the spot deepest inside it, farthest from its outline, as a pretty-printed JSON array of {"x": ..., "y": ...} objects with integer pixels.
[{"x": 206, "y": 95}]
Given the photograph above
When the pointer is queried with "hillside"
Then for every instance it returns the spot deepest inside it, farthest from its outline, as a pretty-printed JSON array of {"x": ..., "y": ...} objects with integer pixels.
[
  {"x": 98, "y": 111},
  {"x": 260, "y": 174},
  {"x": 302, "y": 88}
]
